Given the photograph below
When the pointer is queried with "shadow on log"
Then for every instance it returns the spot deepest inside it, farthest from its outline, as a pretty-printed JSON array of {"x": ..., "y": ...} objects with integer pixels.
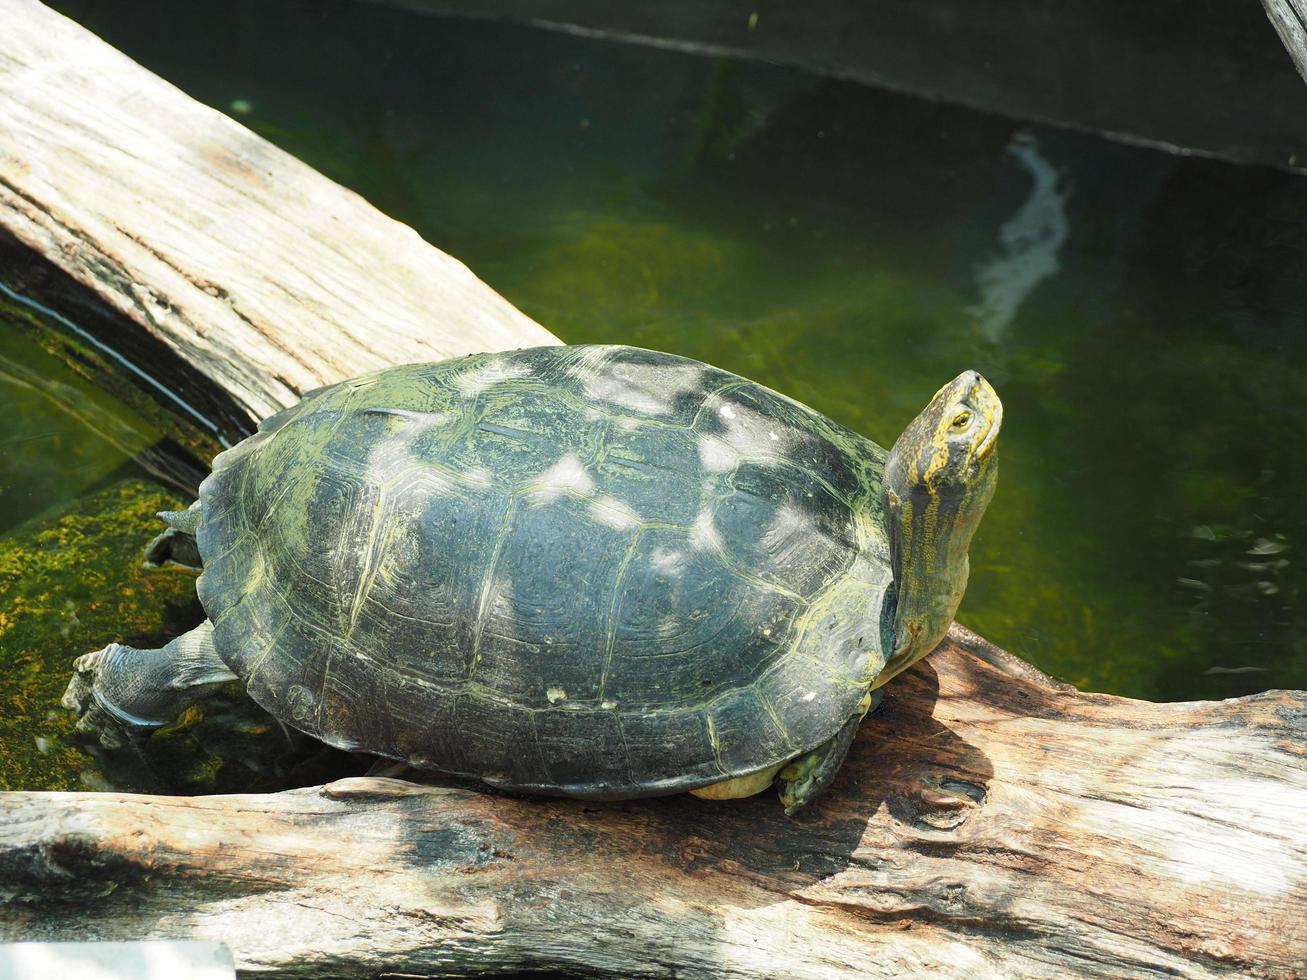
[{"x": 988, "y": 822}]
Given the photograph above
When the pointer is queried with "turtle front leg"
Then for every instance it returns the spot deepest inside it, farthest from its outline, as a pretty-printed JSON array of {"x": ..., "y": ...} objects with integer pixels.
[
  {"x": 807, "y": 777},
  {"x": 119, "y": 692}
]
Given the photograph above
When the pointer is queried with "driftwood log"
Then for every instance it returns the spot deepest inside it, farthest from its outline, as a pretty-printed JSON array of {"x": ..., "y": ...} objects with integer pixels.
[
  {"x": 985, "y": 824},
  {"x": 989, "y": 821}
]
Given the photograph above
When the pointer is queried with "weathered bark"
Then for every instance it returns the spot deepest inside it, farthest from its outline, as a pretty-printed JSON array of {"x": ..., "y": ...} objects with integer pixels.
[
  {"x": 984, "y": 825},
  {"x": 260, "y": 272},
  {"x": 988, "y": 821}
]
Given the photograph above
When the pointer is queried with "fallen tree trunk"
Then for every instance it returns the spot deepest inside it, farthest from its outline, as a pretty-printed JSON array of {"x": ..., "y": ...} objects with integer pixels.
[
  {"x": 988, "y": 822},
  {"x": 984, "y": 825},
  {"x": 261, "y": 273}
]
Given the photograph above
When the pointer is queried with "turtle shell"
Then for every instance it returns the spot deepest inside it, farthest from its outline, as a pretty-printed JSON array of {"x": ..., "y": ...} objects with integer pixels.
[{"x": 597, "y": 571}]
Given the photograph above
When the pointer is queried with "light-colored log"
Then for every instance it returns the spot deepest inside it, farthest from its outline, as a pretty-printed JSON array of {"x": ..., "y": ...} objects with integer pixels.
[
  {"x": 985, "y": 825},
  {"x": 263, "y": 274}
]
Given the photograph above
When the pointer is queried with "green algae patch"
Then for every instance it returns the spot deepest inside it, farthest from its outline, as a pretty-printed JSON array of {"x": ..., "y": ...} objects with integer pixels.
[{"x": 70, "y": 582}]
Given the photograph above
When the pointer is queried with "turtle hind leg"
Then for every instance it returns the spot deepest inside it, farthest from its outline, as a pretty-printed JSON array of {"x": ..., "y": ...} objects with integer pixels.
[
  {"x": 121, "y": 691},
  {"x": 177, "y": 544},
  {"x": 807, "y": 777}
]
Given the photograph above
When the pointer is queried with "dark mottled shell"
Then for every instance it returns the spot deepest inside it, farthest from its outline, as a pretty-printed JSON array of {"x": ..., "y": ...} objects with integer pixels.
[{"x": 598, "y": 571}]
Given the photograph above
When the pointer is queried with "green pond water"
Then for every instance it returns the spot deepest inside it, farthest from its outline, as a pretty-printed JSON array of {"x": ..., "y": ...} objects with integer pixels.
[{"x": 1139, "y": 313}]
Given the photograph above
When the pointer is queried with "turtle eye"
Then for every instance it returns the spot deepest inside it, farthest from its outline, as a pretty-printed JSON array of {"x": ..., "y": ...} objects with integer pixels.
[{"x": 961, "y": 421}]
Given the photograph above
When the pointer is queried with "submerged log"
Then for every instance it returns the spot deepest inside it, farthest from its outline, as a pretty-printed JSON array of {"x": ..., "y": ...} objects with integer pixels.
[
  {"x": 989, "y": 821},
  {"x": 984, "y": 825}
]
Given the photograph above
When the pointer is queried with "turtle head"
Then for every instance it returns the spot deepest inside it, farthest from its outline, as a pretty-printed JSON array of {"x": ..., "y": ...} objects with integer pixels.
[
  {"x": 947, "y": 452},
  {"x": 939, "y": 478}
]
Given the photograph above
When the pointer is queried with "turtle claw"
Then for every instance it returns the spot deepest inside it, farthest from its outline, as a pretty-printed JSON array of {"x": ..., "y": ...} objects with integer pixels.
[
  {"x": 92, "y": 718},
  {"x": 98, "y": 722},
  {"x": 80, "y": 696}
]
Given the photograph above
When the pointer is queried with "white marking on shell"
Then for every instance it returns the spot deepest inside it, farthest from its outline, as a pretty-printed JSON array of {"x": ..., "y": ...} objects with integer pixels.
[
  {"x": 566, "y": 474},
  {"x": 788, "y": 521},
  {"x": 404, "y": 428},
  {"x": 608, "y": 705},
  {"x": 667, "y": 561},
  {"x": 704, "y": 535},
  {"x": 793, "y": 537},
  {"x": 474, "y": 380},
  {"x": 614, "y": 513},
  {"x": 754, "y": 436},
  {"x": 418, "y": 421},
  {"x": 435, "y": 482},
  {"x": 648, "y": 388},
  {"x": 810, "y": 695},
  {"x": 668, "y": 628},
  {"x": 391, "y": 452},
  {"x": 586, "y": 360},
  {"x": 556, "y": 694},
  {"x": 716, "y": 456},
  {"x": 374, "y": 524},
  {"x": 478, "y": 476}
]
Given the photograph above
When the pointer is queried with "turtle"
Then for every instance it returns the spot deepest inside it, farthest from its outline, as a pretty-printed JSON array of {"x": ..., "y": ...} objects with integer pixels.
[{"x": 593, "y": 571}]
